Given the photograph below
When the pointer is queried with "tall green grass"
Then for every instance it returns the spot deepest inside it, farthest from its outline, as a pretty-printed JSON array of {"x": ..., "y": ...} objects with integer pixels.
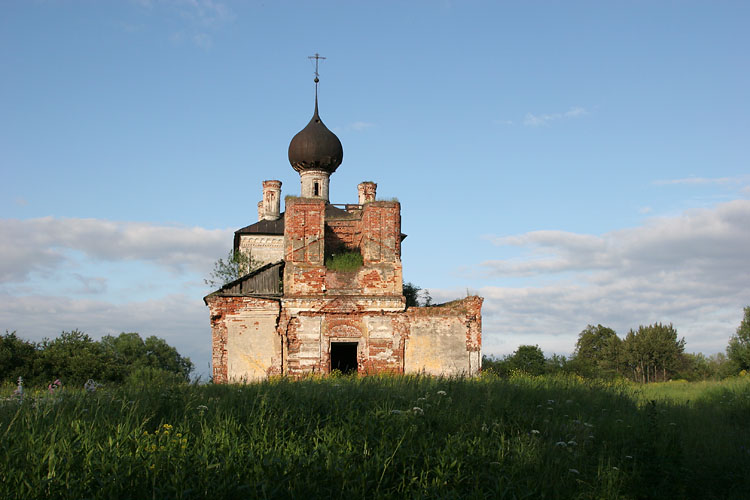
[{"x": 378, "y": 437}]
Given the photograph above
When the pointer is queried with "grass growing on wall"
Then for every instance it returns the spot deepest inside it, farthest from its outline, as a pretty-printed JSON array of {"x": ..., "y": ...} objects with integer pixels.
[
  {"x": 377, "y": 437},
  {"x": 345, "y": 261}
]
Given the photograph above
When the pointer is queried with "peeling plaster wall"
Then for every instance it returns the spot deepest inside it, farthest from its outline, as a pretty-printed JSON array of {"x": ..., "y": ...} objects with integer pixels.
[
  {"x": 445, "y": 340},
  {"x": 246, "y": 345},
  {"x": 254, "y": 337},
  {"x": 263, "y": 249}
]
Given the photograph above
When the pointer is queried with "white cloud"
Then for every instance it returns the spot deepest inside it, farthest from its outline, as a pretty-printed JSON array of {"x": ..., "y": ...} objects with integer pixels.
[
  {"x": 42, "y": 245},
  {"x": 198, "y": 18},
  {"x": 533, "y": 120},
  {"x": 203, "y": 40},
  {"x": 690, "y": 270},
  {"x": 701, "y": 181}
]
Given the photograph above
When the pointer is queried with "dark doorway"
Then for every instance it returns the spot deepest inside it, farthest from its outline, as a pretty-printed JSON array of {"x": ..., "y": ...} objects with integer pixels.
[{"x": 344, "y": 357}]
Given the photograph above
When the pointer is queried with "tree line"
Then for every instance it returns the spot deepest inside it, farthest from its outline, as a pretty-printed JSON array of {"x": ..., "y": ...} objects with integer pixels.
[
  {"x": 652, "y": 353},
  {"x": 74, "y": 358}
]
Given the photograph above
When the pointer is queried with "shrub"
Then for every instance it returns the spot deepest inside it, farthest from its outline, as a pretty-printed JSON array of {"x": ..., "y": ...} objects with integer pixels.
[{"x": 346, "y": 261}]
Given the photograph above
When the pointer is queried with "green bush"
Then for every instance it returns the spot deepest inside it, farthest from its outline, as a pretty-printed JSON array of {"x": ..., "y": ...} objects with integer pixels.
[{"x": 345, "y": 261}]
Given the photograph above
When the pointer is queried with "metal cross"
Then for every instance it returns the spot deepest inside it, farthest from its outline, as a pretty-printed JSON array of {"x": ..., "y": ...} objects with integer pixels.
[{"x": 317, "y": 58}]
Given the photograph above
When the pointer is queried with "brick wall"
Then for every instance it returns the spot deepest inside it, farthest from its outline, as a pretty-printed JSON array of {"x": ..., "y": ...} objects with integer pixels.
[{"x": 246, "y": 343}]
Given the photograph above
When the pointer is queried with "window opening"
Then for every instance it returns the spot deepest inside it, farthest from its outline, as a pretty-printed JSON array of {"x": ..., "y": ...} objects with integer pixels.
[{"x": 315, "y": 189}]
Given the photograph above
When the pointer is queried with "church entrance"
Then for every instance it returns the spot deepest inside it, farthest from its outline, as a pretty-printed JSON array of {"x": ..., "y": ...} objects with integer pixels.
[{"x": 344, "y": 357}]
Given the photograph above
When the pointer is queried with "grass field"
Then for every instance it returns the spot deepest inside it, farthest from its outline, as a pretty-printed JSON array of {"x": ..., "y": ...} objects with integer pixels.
[{"x": 381, "y": 437}]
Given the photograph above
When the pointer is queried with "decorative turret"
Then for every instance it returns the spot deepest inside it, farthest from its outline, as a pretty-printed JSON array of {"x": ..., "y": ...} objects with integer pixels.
[{"x": 315, "y": 152}]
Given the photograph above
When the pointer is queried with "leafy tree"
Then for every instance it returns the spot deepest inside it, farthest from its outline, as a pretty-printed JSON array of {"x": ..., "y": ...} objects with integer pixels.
[
  {"x": 73, "y": 357},
  {"x": 528, "y": 358},
  {"x": 598, "y": 351},
  {"x": 738, "y": 350},
  {"x": 652, "y": 351},
  {"x": 17, "y": 357},
  {"x": 237, "y": 265},
  {"x": 129, "y": 353},
  {"x": 411, "y": 292}
]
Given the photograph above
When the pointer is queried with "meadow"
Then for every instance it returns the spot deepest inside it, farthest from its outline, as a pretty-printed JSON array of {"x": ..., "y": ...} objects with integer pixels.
[{"x": 380, "y": 437}]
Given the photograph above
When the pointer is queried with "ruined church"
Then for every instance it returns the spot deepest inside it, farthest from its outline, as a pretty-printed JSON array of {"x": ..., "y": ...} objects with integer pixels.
[{"x": 298, "y": 312}]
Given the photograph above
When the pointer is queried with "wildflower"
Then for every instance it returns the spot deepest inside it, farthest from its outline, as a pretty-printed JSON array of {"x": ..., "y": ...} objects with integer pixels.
[
  {"x": 629, "y": 456},
  {"x": 485, "y": 428},
  {"x": 672, "y": 423},
  {"x": 588, "y": 425},
  {"x": 396, "y": 412},
  {"x": 441, "y": 393},
  {"x": 615, "y": 468},
  {"x": 550, "y": 401},
  {"x": 561, "y": 444},
  {"x": 619, "y": 420},
  {"x": 534, "y": 431},
  {"x": 573, "y": 471},
  {"x": 417, "y": 410},
  {"x": 152, "y": 466},
  {"x": 91, "y": 385},
  {"x": 572, "y": 443},
  {"x": 54, "y": 386}
]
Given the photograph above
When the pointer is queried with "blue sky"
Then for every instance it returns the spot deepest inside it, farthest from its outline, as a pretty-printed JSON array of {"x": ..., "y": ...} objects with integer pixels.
[{"x": 573, "y": 162}]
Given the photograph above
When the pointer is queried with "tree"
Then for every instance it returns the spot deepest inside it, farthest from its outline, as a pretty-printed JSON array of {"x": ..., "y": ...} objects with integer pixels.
[
  {"x": 73, "y": 357},
  {"x": 598, "y": 351},
  {"x": 416, "y": 296},
  {"x": 129, "y": 353},
  {"x": 738, "y": 350},
  {"x": 529, "y": 359},
  {"x": 651, "y": 351},
  {"x": 17, "y": 357},
  {"x": 237, "y": 265}
]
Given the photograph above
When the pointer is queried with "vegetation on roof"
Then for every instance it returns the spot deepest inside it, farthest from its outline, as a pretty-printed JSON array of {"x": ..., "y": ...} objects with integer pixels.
[{"x": 344, "y": 260}]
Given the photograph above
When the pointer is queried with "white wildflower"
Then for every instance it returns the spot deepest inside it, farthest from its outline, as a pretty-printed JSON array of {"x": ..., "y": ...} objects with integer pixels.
[
  {"x": 573, "y": 471},
  {"x": 417, "y": 410},
  {"x": 534, "y": 431},
  {"x": 442, "y": 393}
]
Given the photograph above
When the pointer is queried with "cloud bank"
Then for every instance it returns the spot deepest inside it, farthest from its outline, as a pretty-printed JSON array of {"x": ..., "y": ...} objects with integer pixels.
[
  {"x": 41, "y": 245},
  {"x": 691, "y": 270}
]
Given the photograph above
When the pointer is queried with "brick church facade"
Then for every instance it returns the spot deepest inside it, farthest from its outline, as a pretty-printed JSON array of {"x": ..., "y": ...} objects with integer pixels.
[{"x": 298, "y": 314}]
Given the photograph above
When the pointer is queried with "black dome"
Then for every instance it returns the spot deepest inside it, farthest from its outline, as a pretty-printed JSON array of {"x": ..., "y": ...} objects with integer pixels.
[{"x": 315, "y": 147}]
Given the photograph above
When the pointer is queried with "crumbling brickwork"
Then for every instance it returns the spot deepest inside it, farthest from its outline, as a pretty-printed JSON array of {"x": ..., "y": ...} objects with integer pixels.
[
  {"x": 312, "y": 318},
  {"x": 294, "y": 334}
]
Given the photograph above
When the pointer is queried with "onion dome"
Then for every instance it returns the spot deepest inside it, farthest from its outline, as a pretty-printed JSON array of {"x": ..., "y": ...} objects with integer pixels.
[{"x": 315, "y": 147}]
